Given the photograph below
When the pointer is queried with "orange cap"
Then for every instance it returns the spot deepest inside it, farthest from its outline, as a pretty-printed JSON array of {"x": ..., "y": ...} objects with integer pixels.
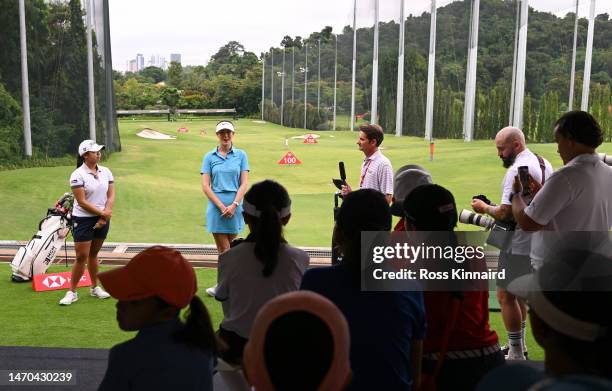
[{"x": 157, "y": 271}]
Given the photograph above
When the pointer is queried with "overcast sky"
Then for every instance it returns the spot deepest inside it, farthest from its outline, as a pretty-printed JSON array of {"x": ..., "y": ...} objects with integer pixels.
[{"x": 198, "y": 28}]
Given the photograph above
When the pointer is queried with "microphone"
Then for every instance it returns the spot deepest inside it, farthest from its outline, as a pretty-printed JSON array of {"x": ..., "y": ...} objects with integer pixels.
[{"x": 342, "y": 172}]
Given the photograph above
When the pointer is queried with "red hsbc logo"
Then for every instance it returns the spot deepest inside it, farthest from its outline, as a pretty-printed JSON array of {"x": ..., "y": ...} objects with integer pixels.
[{"x": 55, "y": 281}]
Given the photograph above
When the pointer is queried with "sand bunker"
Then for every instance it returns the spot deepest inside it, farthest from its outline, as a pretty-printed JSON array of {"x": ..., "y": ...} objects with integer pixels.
[
  {"x": 153, "y": 134},
  {"x": 306, "y": 136}
]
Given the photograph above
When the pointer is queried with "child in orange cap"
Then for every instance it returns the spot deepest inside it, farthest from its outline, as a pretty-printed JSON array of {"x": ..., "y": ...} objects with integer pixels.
[{"x": 166, "y": 353}]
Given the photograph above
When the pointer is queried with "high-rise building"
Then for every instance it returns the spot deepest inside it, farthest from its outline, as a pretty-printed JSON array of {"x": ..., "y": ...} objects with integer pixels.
[
  {"x": 162, "y": 62},
  {"x": 175, "y": 57},
  {"x": 132, "y": 66},
  {"x": 139, "y": 62}
]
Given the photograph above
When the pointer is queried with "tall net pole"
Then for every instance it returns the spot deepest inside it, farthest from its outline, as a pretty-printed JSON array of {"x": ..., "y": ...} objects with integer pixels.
[
  {"x": 584, "y": 104},
  {"x": 470, "y": 83},
  {"x": 399, "y": 112},
  {"x": 570, "y": 104},
  {"x": 25, "y": 88},
  {"x": 335, "y": 78},
  {"x": 272, "y": 76},
  {"x": 90, "y": 73},
  {"x": 263, "y": 84},
  {"x": 292, "y": 74},
  {"x": 521, "y": 61},
  {"x": 374, "y": 111},
  {"x": 354, "y": 65},
  {"x": 431, "y": 72},
  {"x": 305, "y": 84},
  {"x": 282, "y": 89},
  {"x": 319, "y": 77}
]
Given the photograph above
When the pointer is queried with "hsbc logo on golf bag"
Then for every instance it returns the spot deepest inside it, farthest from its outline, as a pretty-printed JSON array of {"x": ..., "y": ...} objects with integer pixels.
[{"x": 54, "y": 281}]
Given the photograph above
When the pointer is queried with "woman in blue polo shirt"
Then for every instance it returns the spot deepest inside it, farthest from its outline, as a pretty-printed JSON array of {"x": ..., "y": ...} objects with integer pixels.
[{"x": 225, "y": 172}]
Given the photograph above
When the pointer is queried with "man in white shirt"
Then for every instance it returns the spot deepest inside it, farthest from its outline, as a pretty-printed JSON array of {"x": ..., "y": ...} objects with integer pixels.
[
  {"x": 376, "y": 170},
  {"x": 515, "y": 260},
  {"x": 576, "y": 197}
]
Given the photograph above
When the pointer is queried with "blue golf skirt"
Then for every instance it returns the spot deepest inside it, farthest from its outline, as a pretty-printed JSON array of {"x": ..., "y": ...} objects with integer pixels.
[{"x": 222, "y": 225}]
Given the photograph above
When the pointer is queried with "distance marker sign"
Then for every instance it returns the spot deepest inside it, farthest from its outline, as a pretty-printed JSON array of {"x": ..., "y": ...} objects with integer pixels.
[{"x": 289, "y": 158}]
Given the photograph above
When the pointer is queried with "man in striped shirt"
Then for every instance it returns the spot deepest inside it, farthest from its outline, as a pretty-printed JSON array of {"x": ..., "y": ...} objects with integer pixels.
[{"x": 376, "y": 170}]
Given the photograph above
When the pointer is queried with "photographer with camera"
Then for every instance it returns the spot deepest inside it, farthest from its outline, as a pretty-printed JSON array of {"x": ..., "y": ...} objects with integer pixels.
[
  {"x": 576, "y": 197},
  {"x": 514, "y": 256}
]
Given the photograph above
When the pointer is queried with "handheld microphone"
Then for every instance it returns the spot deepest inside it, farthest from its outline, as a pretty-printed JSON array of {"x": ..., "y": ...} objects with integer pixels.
[{"x": 342, "y": 172}]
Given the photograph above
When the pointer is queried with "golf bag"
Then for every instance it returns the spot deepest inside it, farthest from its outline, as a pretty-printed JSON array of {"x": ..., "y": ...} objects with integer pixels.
[{"x": 39, "y": 253}]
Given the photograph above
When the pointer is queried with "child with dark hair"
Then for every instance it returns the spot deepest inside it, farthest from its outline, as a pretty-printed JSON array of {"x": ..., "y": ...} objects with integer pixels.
[
  {"x": 300, "y": 342},
  {"x": 386, "y": 328},
  {"x": 472, "y": 348},
  {"x": 166, "y": 353},
  {"x": 260, "y": 268}
]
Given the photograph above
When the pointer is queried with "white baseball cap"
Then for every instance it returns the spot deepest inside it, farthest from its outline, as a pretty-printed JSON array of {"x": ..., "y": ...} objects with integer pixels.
[
  {"x": 89, "y": 146},
  {"x": 225, "y": 125}
]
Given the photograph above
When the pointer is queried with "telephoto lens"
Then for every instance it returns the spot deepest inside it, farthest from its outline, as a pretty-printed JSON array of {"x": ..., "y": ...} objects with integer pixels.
[{"x": 468, "y": 217}]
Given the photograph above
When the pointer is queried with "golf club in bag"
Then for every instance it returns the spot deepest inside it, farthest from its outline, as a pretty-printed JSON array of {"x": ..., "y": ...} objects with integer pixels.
[
  {"x": 336, "y": 254},
  {"x": 39, "y": 253}
]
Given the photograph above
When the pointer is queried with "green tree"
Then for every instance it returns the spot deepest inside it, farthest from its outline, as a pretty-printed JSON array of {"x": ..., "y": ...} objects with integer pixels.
[{"x": 175, "y": 74}]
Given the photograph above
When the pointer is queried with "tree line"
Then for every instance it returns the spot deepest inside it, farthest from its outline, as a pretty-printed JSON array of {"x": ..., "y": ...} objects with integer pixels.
[{"x": 57, "y": 67}]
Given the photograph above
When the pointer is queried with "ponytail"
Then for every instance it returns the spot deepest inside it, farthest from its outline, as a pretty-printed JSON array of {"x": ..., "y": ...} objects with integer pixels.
[
  {"x": 197, "y": 330},
  {"x": 268, "y": 237},
  {"x": 269, "y": 199},
  {"x": 79, "y": 161}
]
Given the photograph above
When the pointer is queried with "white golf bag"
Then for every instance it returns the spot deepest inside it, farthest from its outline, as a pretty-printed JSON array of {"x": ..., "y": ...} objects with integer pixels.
[{"x": 39, "y": 253}]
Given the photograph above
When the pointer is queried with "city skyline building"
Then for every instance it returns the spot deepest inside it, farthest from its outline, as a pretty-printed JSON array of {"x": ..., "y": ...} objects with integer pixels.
[{"x": 175, "y": 57}]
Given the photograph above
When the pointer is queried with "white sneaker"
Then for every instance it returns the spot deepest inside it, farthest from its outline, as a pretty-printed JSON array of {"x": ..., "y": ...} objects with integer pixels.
[
  {"x": 99, "y": 293},
  {"x": 212, "y": 291},
  {"x": 70, "y": 298},
  {"x": 514, "y": 356}
]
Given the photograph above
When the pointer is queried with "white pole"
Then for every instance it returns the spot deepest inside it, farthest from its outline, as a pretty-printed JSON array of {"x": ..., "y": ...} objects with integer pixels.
[
  {"x": 431, "y": 73},
  {"x": 272, "y": 77},
  {"x": 517, "y": 25},
  {"x": 570, "y": 105},
  {"x": 319, "y": 77},
  {"x": 354, "y": 64},
  {"x": 521, "y": 60},
  {"x": 399, "y": 111},
  {"x": 584, "y": 104},
  {"x": 470, "y": 83},
  {"x": 335, "y": 78},
  {"x": 25, "y": 88},
  {"x": 374, "y": 111},
  {"x": 90, "y": 76},
  {"x": 305, "y": 84},
  {"x": 282, "y": 89},
  {"x": 263, "y": 84},
  {"x": 292, "y": 74}
]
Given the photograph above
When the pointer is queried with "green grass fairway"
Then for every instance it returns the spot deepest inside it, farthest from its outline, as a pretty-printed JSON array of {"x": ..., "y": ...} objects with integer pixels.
[
  {"x": 159, "y": 197},
  {"x": 159, "y": 200},
  {"x": 36, "y": 319}
]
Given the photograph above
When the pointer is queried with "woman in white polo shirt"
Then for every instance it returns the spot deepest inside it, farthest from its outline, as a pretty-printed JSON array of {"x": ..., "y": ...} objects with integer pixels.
[{"x": 94, "y": 195}]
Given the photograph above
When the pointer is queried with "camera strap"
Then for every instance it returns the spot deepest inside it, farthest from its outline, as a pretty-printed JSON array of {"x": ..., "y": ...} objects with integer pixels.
[{"x": 542, "y": 167}]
